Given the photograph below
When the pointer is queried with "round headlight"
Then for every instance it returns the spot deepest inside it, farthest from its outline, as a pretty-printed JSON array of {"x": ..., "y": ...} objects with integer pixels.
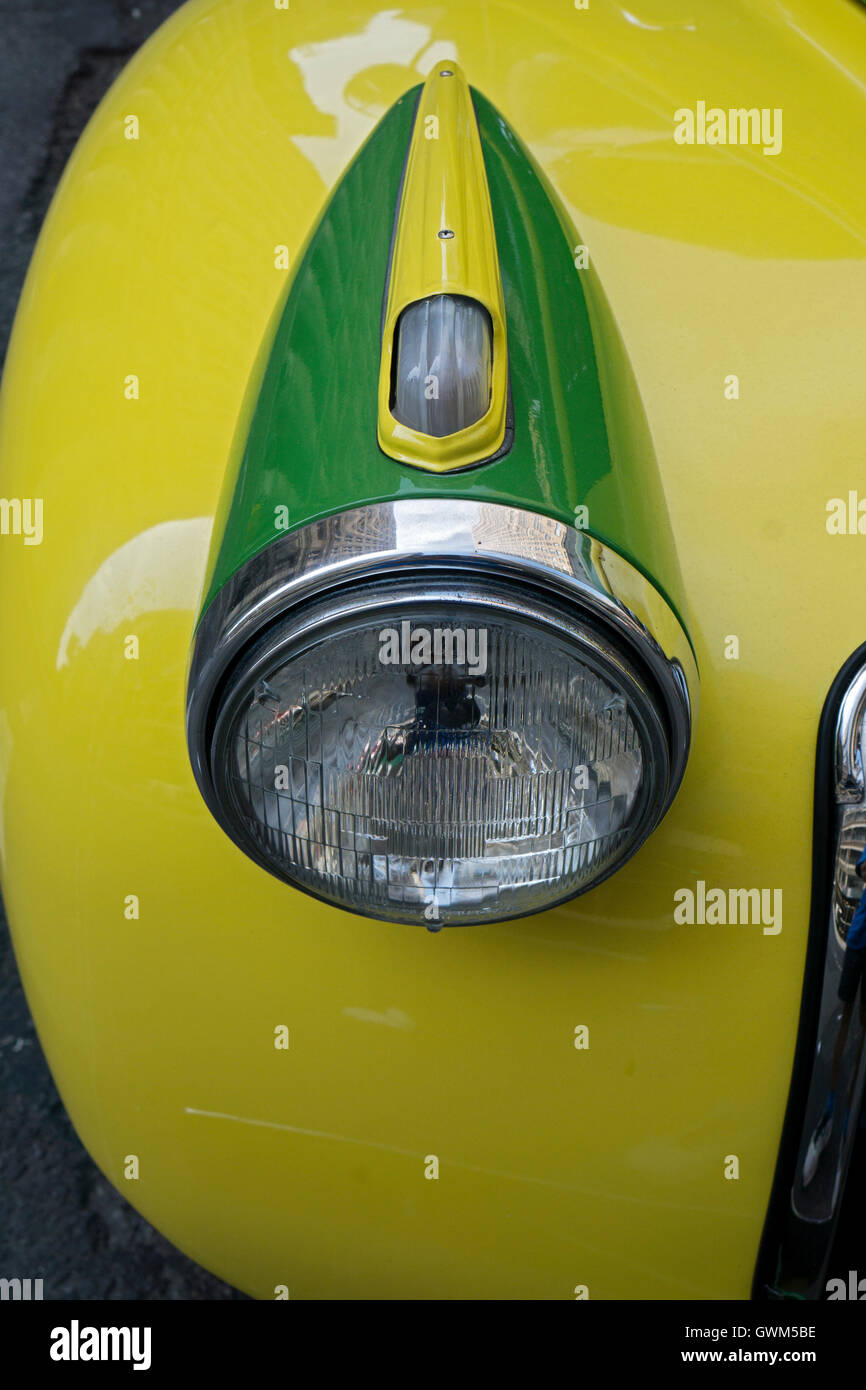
[{"x": 437, "y": 745}]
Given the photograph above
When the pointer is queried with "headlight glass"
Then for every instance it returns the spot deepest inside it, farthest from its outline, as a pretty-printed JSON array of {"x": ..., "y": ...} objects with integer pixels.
[{"x": 447, "y": 755}]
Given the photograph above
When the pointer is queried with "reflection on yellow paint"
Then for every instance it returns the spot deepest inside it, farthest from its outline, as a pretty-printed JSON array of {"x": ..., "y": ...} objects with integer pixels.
[{"x": 156, "y": 571}]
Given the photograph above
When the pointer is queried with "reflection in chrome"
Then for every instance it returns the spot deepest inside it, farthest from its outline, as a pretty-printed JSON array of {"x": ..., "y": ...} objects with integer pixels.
[
  {"x": 850, "y": 785},
  {"x": 847, "y": 882},
  {"x": 408, "y": 536},
  {"x": 838, "y": 1071},
  {"x": 835, "y": 1075}
]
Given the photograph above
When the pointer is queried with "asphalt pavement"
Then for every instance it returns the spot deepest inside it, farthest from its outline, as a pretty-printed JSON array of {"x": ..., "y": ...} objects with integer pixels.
[{"x": 60, "y": 1220}]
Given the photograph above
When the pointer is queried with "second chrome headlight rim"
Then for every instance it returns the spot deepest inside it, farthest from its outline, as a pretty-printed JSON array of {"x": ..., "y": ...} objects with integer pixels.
[{"x": 383, "y": 541}]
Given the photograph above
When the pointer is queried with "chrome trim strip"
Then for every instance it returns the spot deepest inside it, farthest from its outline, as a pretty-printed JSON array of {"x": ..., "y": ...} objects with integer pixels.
[
  {"x": 831, "y": 1049},
  {"x": 411, "y": 535},
  {"x": 850, "y": 785},
  {"x": 818, "y": 1201}
]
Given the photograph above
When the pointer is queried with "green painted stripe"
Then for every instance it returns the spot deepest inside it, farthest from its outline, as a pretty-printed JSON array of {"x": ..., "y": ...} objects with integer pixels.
[{"x": 578, "y": 440}]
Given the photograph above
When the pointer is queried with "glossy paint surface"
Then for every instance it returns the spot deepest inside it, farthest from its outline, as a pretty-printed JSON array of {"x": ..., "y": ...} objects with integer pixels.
[
  {"x": 558, "y": 1167},
  {"x": 312, "y": 448}
]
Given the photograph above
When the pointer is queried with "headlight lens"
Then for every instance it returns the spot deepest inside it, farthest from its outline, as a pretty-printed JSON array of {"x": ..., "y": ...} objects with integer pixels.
[
  {"x": 439, "y": 754},
  {"x": 444, "y": 351}
]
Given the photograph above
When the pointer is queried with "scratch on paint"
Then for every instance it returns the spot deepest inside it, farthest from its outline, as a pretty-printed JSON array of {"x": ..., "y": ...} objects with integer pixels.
[{"x": 451, "y": 1162}]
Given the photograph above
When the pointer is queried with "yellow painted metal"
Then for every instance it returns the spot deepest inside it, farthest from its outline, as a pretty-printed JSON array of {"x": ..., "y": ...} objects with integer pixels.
[
  {"x": 445, "y": 190},
  {"x": 558, "y": 1167}
]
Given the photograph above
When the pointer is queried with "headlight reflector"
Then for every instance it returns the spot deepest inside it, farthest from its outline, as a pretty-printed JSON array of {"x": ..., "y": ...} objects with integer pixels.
[{"x": 439, "y": 755}]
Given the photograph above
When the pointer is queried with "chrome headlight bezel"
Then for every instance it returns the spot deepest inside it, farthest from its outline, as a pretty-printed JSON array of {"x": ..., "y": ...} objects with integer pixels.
[{"x": 533, "y": 564}]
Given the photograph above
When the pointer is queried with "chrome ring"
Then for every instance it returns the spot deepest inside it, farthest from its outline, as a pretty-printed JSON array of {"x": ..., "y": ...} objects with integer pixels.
[{"x": 410, "y": 535}]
